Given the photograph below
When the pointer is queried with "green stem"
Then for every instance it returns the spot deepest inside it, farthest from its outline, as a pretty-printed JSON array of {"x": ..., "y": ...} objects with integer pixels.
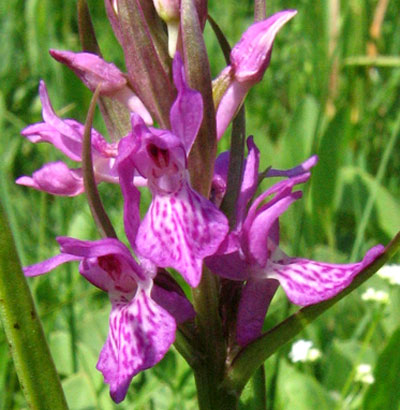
[
  {"x": 33, "y": 362},
  {"x": 253, "y": 355},
  {"x": 372, "y": 197},
  {"x": 96, "y": 206},
  {"x": 350, "y": 379}
]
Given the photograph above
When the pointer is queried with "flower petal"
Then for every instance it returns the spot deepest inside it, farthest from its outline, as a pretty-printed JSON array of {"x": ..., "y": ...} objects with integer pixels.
[
  {"x": 174, "y": 303},
  {"x": 255, "y": 237},
  {"x": 181, "y": 229},
  {"x": 126, "y": 169},
  {"x": 140, "y": 334},
  {"x": 254, "y": 302},
  {"x": 249, "y": 181},
  {"x": 102, "y": 247},
  {"x": 55, "y": 178},
  {"x": 251, "y": 55},
  {"x": 49, "y": 264},
  {"x": 92, "y": 70},
  {"x": 186, "y": 112},
  {"x": 303, "y": 168},
  {"x": 307, "y": 282}
]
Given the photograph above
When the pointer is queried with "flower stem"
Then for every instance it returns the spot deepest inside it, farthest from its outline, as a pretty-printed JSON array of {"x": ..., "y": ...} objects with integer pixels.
[
  {"x": 33, "y": 362},
  {"x": 96, "y": 206},
  {"x": 253, "y": 355}
]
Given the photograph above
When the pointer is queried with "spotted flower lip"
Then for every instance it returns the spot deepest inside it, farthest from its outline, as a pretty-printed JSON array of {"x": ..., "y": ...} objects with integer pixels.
[
  {"x": 142, "y": 328},
  {"x": 66, "y": 135},
  {"x": 250, "y": 252},
  {"x": 181, "y": 227}
]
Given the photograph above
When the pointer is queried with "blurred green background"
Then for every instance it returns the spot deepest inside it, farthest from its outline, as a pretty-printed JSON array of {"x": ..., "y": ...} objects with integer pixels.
[{"x": 333, "y": 88}]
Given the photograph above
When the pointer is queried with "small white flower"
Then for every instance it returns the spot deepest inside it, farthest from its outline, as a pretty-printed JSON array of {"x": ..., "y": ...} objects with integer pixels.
[
  {"x": 373, "y": 295},
  {"x": 364, "y": 374},
  {"x": 391, "y": 273},
  {"x": 302, "y": 351}
]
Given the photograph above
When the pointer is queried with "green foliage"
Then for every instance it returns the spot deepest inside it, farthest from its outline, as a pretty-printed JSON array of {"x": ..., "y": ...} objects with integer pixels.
[{"x": 312, "y": 100}]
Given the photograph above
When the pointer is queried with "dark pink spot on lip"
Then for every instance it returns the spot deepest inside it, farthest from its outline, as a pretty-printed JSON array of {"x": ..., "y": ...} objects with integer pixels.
[{"x": 159, "y": 156}]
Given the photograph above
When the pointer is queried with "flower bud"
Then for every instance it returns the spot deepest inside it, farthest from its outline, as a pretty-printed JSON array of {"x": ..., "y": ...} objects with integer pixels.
[
  {"x": 251, "y": 55},
  {"x": 168, "y": 10},
  {"x": 93, "y": 70}
]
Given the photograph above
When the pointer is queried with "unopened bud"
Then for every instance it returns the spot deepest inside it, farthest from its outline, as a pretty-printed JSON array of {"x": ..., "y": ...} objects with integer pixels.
[
  {"x": 251, "y": 55},
  {"x": 168, "y": 10}
]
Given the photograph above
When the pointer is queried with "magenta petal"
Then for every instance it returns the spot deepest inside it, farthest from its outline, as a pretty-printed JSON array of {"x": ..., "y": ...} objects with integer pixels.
[
  {"x": 126, "y": 169},
  {"x": 250, "y": 180},
  {"x": 55, "y": 178},
  {"x": 179, "y": 230},
  {"x": 186, "y": 112},
  {"x": 140, "y": 334},
  {"x": 92, "y": 70},
  {"x": 250, "y": 56},
  {"x": 49, "y": 264},
  {"x": 229, "y": 105},
  {"x": 175, "y": 304},
  {"x": 303, "y": 168},
  {"x": 254, "y": 302},
  {"x": 255, "y": 240},
  {"x": 229, "y": 266},
  {"x": 307, "y": 282}
]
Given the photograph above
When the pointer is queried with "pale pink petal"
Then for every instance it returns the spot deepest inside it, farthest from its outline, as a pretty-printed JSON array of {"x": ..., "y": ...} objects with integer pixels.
[
  {"x": 140, "y": 334},
  {"x": 229, "y": 105},
  {"x": 307, "y": 282},
  {"x": 55, "y": 178}
]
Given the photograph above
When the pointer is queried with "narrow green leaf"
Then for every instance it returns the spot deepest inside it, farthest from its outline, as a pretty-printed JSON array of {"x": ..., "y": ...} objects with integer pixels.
[
  {"x": 33, "y": 362},
  {"x": 384, "y": 393}
]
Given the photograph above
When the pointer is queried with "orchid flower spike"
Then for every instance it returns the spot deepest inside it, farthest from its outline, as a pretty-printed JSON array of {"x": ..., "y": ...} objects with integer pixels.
[
  {"x": 250, "y": 58},
  {"x": 250, "y": 252},
  {"x": 181, "y": 227},
  {"x": 93, "y": 70},
  {"x": 143, "y": 315}
]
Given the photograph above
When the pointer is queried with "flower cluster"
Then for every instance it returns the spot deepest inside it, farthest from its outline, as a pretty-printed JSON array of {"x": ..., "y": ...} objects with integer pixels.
[{"x": 182, "y": 228}]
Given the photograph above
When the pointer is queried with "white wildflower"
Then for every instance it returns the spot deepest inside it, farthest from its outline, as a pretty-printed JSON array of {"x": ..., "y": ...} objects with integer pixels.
[
  {"x": 373, "y": 295},
  {"x": 302, "y": 351},
  {"x": 391, "y": 273},
  {"x": 364, "y": 374}
]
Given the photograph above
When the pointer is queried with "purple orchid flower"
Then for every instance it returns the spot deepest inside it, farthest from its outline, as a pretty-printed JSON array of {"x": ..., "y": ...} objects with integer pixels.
[
  {"x": 93, "y": 70},
  {"x": 251, "y": 253},
  {"x": 250, "y": 58},
  {"x": 66, "y": 135},
  {"x": 181, "y": 227},
  {"x": 143, "y": 315}
]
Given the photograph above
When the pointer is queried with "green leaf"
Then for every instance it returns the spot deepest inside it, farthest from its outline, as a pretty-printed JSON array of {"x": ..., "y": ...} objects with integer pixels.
[
  {"x": 300, "y": 391},
  {"x": 296, "y": 144},
  {"x": 384, "y": 393},
  {"x": 386, "y": 207}
]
